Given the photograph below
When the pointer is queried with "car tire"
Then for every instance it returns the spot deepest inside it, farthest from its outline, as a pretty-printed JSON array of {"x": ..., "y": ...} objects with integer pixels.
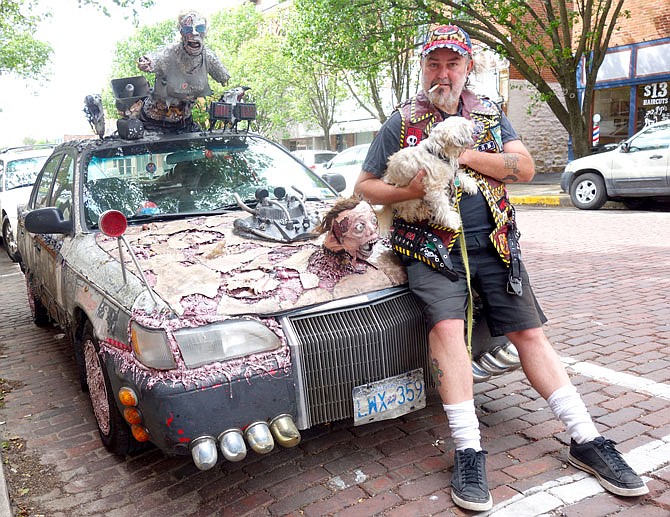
[
  {"x": 9, "y": 242},
  {"x": 38, "y": 311},
  {"x": 587, "y": 192},
  {"x": 114, "y": 431}
]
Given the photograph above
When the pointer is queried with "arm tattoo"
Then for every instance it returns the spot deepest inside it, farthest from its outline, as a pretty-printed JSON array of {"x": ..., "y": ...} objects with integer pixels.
[
  {"x": 511, "y": 161},
  {"x": 437, "y": 372}
]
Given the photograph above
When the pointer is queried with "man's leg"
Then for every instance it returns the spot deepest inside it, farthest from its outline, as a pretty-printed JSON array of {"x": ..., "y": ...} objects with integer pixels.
[
  {"x": 452, "y": 371},
  {"x": 588, "y": 450}
]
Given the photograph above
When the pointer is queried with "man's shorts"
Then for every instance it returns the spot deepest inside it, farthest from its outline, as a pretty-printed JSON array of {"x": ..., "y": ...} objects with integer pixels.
[{"x": 442, "y": 299}]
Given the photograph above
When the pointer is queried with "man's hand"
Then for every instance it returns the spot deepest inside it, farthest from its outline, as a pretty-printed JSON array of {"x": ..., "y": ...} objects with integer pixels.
[{"x": 415, "y": 188}]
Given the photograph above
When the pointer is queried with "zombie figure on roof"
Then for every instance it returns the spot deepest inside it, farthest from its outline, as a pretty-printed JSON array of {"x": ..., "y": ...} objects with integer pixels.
[{"x": 182, "y": 72}]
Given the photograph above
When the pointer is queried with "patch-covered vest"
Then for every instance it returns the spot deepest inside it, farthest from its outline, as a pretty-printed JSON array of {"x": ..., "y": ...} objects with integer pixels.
[{"x": 418, "y": 116}]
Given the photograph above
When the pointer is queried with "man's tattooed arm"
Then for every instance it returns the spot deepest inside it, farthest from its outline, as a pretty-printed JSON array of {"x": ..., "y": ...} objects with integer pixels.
[{"x": 512, "y": 163}]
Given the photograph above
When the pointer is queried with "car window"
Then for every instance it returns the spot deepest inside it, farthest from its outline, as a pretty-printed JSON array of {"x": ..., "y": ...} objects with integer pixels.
[
  {"x": 193, "y": 175},
  {"x": 42, "y": 196},
  {"x": 22, "y": 172},
  {"x": 320, "y": 158},
  {"x": 346, "y": 157},
  {"x": 657, "y": 137},
  {"x": 62, "y": 190}
]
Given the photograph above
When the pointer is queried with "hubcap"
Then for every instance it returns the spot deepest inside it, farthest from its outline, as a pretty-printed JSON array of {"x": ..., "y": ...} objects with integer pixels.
[
  {"x": 586, "y": 192},
  {"x": 96, "y": 387}
]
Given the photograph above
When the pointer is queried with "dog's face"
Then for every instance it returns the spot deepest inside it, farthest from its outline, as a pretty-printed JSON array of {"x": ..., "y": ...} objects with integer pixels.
[{"x": 452, "y": 135}]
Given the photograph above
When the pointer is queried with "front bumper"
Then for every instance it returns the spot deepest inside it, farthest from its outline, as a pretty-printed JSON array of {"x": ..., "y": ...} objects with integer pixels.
[{"x": 176, "y": 414}]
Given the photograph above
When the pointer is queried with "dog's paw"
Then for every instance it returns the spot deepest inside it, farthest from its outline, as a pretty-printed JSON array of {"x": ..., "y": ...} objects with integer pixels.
[
  {"x": 467, "y": 183},
  {"x": 453, "y": 221}
]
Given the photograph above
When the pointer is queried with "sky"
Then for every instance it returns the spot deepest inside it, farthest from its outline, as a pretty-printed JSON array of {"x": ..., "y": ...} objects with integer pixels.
[{"x": 83, "y": 41}]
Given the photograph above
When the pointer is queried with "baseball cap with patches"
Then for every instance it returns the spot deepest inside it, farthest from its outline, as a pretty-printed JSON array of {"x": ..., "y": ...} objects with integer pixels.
[{"x": 448, "y": 36}]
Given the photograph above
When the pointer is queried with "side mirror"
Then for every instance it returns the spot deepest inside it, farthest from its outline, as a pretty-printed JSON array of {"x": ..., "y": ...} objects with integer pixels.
[
  {"x": 625, "y": 147},
  {"x": 335, "y": 180},
  {"x": 47, "y": 220}
]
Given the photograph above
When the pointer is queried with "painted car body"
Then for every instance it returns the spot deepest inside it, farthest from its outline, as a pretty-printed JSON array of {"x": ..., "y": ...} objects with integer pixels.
[{"x": 216, "y": 316}]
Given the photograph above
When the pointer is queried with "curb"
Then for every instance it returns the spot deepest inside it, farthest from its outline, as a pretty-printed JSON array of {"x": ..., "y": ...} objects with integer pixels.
[
  {"x": 541, "y": 200},
  {"x": 5, "y": 507}
]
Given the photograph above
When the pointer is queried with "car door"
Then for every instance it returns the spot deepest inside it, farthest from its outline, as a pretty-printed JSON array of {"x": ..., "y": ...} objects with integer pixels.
[
  {"x": 641, "y": 165},
  {"x": 53, "y": 189}
]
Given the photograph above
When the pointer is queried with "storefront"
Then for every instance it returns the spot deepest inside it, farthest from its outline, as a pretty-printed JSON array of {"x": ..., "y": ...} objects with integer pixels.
[{"x": 632, "y": 90}]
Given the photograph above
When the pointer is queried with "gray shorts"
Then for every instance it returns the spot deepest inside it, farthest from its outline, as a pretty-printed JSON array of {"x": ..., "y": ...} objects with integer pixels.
[{"x": 442, "y": 299}]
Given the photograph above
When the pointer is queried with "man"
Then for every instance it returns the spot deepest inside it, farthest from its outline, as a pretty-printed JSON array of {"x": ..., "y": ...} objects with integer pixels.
[{"x": 494, "y": 266}]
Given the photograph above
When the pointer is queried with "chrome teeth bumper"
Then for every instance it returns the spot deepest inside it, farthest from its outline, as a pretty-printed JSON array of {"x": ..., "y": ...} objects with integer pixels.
[{"x": 496, "y": 362}]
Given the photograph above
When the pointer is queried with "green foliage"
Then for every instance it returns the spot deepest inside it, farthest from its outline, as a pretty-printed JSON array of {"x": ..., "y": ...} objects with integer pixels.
[
  {"x": 24, "y": 55},
  {"x": 368, "y": 43},
  {"x": 20, "y": 52}
]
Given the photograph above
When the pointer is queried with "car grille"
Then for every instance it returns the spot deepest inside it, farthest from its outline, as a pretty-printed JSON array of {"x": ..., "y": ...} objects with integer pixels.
[{"x": 336, "y": 350}]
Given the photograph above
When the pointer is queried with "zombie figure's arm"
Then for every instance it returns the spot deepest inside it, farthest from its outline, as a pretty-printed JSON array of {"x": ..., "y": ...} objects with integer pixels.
[
  {"x": 145, "y": 63},
  {"x": 154, "y": 62},
  {"x": 215, "y": 67}
]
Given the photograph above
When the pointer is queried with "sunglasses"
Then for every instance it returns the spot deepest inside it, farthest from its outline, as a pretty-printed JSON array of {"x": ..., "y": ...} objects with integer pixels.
[{"x": 188, "y": 29}]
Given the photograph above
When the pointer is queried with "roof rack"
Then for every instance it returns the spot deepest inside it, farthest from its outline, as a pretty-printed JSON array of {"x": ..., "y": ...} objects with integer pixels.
[{"x": 27, "y": 147}]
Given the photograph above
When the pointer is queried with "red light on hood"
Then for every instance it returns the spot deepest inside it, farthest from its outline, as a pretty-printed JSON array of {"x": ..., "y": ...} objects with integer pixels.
[{"x": 113, "y": 223}]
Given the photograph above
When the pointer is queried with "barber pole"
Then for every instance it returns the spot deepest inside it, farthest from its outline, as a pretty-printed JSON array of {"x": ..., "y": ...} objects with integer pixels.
[{"x": 596, "y": 129}]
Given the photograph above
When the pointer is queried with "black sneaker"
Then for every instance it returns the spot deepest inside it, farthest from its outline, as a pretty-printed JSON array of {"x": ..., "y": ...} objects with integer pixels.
[
  {"x": 469, "y": 488},
  {"x": 600, "y": 458}
]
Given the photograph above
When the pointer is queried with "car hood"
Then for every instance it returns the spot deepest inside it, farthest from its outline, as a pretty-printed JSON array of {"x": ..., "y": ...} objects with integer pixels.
[
  {"x": 597, "y": 161},
  {"x": 201, "y": 267}
]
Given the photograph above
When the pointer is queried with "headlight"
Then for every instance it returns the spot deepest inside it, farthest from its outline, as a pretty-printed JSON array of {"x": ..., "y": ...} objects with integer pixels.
[
  {"x": 223, "y": 341},
  {"x": 151, "y": 347}
]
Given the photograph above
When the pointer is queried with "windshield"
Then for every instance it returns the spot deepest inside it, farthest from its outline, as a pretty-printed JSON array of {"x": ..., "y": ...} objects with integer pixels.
[
  {"x": 22, "y": 173},
  {"x": 193, "y": 175}
]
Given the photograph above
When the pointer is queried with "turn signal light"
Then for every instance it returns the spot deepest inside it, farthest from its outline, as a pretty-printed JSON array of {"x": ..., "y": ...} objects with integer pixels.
[
  {"x": 132, "y": 415},
  {"x": 141, "y": 434},
  {"x": 127, "y": 396}
]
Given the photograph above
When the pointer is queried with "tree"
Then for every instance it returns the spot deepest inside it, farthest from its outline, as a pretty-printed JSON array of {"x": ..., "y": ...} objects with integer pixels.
[
  {"x": 24, "y": 55},
  {"x": 368, "y": 43},
  {"x": 20, "y": 52},
  {"x": 537, "y": 36}
]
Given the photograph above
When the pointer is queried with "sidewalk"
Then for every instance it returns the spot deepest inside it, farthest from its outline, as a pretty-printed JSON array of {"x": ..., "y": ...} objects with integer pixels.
[{"x": 544, "y": 190}]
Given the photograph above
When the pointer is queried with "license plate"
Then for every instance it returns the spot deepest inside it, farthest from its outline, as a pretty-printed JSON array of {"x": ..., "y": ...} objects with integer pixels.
[{"x": 389, "y": 398}]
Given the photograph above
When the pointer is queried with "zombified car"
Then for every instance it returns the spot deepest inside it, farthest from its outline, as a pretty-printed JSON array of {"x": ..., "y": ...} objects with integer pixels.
[
  {"x": 207, "y": 314},
  {"x": 635, "y": 172},
  {"x": 18, "y": 169}
]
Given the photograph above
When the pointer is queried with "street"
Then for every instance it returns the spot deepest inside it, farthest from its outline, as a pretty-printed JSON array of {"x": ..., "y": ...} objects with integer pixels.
[{"x": 602, "y": 279}]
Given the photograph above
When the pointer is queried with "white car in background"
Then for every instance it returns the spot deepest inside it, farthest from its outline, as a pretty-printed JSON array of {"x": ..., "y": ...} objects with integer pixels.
[
  {"x": 635, "y": 172},
  {"x": 19, "y": 167},
  {"x": 348, "y": 163},
  {"x": 315, "y": 159}
]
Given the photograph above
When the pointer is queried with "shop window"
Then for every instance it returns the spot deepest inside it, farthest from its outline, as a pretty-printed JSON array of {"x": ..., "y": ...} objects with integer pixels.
[
  {"x": 613, "y": 106},
  {"x": 653, "y": 103}
]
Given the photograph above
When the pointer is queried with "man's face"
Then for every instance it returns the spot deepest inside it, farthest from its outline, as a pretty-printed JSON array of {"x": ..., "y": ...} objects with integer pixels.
[{"x": 448, "y": 70}]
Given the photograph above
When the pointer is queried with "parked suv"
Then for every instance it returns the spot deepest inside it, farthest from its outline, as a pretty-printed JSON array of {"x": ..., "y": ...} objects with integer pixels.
[
  {"x": 637, "y": 171},
  {"x": 18, "y": 169}
]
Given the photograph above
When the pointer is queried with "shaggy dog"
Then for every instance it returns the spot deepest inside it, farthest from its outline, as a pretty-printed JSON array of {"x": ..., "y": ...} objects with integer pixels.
[{"x": 438, "y": 156}]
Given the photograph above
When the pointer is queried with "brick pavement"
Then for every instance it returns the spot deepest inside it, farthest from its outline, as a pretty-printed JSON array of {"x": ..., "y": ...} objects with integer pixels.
[{"x": 605, "y": 289}]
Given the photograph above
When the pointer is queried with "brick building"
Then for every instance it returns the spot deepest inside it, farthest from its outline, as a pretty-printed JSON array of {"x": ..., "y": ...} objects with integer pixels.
[{"x": 633, "y": 87}]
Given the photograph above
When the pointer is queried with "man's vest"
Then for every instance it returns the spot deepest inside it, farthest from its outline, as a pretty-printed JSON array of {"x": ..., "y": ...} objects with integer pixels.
[{"x": 418, "y": 116}]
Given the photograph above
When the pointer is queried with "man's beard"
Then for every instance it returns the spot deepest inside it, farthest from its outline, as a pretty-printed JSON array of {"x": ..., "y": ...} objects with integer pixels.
[{"x": 445, "y": 99}]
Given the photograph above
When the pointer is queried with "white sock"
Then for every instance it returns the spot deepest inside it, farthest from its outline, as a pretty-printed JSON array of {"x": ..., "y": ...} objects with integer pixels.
[
  {"x": 464, "y": 425},
  {"x": 569, "y": 408}
]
